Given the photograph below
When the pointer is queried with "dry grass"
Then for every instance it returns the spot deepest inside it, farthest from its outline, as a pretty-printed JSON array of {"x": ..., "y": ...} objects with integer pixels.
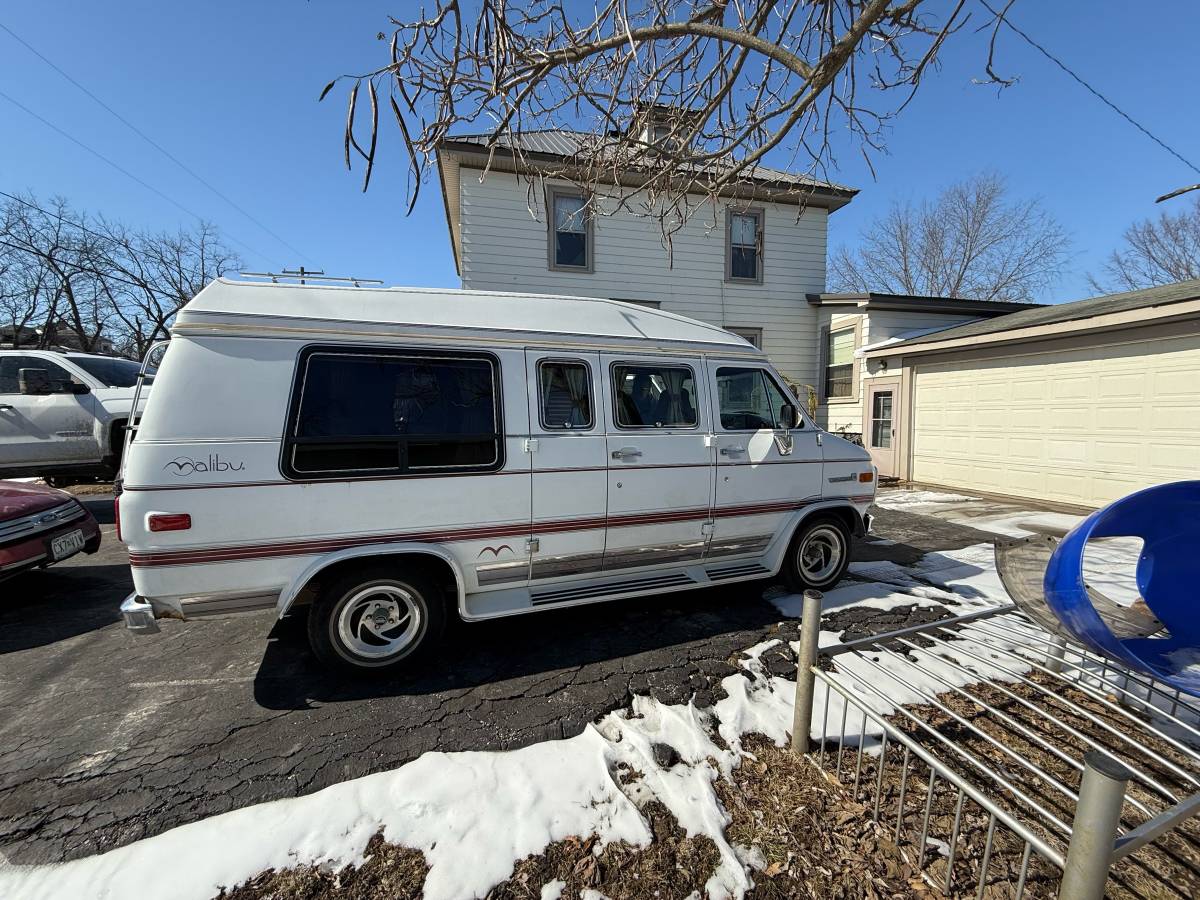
[
  {"x": 397, "y": 873},
  {"x": 814, "y": 841}
]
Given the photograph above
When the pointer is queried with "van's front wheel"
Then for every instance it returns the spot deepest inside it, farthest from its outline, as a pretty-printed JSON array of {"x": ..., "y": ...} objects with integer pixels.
[
  {"x": 818, "y": 555},
  {"x": 376, "y": 621}
]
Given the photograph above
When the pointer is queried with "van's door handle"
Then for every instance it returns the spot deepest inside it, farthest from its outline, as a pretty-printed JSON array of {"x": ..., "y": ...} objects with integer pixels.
[
  {"x": 7, "y": 406},
  {"x": 626, "y": 453},
  {"x": 729, "y": 451}
]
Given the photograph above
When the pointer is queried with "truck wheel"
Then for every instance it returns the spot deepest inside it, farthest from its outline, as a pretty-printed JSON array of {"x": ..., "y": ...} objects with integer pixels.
[
  {"x": 376, "y": 621},
  {"x": 818, "y": 555}
]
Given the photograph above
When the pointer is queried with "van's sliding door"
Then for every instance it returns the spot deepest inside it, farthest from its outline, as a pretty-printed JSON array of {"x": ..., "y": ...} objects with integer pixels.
[
  {"x": 566, "y": 420},
  {"x": 660, "y": 475}
]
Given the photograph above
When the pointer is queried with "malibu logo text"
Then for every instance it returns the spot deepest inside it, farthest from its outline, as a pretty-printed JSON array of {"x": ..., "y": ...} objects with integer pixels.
[{"x": 185, "y": 465}]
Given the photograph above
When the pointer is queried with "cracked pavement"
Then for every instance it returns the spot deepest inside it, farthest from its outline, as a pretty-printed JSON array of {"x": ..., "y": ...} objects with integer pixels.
[{"x": 107, "y": 738}]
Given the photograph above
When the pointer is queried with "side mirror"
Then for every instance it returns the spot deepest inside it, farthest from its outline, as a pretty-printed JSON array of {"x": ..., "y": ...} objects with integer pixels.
[
  {"x": 33, "y": 381},
  {"x": 74, "y": 387},
  {"x": 789, "y": 416}
]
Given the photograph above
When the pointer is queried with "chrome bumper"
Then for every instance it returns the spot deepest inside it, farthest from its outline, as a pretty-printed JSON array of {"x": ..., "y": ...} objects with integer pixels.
[{"x": 139, "y": 615}]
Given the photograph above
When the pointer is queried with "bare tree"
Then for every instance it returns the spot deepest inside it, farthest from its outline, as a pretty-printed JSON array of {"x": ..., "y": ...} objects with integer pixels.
[
  {"x": 673, "y": 98},
  {"x": 90, "y": 281},
  {"x": 148, "y": 277},
  {"x": 1154, "y": 251},
  {"x": 972, "y": 241},
  {"x": 70, "y": 254},
  {"x": 24, "y": 288}
]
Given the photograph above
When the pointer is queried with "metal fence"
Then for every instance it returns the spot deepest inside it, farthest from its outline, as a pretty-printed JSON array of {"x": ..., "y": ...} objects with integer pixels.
[{"x": 997, "y": 755}]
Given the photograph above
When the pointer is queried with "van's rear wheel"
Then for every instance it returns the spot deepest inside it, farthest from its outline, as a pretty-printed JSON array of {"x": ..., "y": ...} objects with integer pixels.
[
  {"x": 818, "y": 555},
  {"x": 376, "y": 621}
]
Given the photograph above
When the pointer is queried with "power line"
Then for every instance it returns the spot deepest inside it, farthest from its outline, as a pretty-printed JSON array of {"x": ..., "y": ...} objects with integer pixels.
[
  {"x": 120, "y": 169},
  {"x": 1096, "y": 93},
  {"x": 147, "y": 138}
]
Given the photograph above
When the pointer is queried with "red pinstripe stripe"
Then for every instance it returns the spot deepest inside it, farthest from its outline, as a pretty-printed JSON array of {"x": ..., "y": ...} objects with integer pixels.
[{"x": 301, "y": 548}]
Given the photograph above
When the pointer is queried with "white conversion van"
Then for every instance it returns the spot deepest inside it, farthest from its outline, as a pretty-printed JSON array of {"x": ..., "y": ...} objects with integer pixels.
[{"x": 392, "y": 457}]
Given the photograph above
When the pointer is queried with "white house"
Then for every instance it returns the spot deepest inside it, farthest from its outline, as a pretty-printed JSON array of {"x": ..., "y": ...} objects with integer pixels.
[{"x": 753, "y": 264}]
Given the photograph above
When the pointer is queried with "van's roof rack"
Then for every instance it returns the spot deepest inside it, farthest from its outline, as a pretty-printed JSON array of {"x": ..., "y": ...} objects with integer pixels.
[{"x": 303, "y": 275}]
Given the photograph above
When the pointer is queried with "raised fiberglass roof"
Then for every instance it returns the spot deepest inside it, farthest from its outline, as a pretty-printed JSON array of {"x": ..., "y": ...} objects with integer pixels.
[{"x": 324, "y": 307}]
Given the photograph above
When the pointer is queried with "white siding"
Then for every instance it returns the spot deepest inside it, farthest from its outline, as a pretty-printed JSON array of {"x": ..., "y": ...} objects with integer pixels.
[
  {"x": 504, "y": 248},
  {"x": 846, "y": 414}
]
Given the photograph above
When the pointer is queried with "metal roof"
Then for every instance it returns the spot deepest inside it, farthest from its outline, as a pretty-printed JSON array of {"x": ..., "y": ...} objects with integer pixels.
[
  {"x": 1066, "y": 312},
  {"x": 564, "y": 143},
  {"x": 261, "y": 307}
]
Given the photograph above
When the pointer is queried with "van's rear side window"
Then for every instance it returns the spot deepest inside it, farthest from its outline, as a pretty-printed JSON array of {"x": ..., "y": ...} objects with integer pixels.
[{"x": 361, "y": 413}]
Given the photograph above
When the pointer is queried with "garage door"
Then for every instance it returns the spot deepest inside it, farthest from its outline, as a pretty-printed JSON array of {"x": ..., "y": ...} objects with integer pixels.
[{"x": 1083, "y": 426}]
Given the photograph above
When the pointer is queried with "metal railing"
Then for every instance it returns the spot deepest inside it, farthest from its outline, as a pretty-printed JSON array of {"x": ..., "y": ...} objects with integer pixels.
[{"x": 986, "y": 739}]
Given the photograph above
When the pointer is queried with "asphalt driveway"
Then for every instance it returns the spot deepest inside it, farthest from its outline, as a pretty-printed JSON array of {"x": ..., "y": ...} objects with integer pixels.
[{"x": 106, "y": 738}]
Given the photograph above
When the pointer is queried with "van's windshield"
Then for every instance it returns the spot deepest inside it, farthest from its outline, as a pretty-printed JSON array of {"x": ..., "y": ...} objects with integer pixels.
[{"x": 109, "y": 370}]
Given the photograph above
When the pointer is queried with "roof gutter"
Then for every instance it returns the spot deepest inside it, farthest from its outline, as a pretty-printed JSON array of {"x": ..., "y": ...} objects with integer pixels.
[
  {"x": 903, "y": 303},
  {"x": 1175, "y": 310}
]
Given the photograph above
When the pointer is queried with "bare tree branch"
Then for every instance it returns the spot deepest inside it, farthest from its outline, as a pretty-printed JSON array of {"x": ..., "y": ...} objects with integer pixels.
[
  {"x": 1154, "y": 251},
  {"x": 971, "y": 241},
  {"x": 689, "y": 97}
]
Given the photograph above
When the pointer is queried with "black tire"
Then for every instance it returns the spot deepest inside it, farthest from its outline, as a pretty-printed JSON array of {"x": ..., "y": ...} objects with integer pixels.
[
  {"x": 817, "y": 536},
  {"x": 340, "y": 636}
]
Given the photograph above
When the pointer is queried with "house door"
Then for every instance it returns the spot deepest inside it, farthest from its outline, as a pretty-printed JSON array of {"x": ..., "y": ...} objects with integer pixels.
[
  {"x": 880, "y": 433},
  {"x": 660, "y": 473}
]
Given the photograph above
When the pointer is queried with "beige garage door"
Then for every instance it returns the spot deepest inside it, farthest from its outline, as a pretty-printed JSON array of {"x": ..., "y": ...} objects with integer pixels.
[{"x": 1083, "y": 426}]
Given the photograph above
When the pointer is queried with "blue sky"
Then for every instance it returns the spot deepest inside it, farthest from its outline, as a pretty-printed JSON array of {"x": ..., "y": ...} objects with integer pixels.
[{"x": 230, "y": 88}]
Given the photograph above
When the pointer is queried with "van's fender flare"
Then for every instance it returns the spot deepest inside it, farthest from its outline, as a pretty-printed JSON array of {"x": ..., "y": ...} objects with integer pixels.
[
  {"x": 287, "y": 597},
  {"x": 779, "y": 547}
]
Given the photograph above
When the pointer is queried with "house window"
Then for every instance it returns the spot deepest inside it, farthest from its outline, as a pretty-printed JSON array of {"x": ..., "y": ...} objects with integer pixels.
[
  {"x": 753, "y": 335},
  {"x": 654, "y": 396},
  {"x": 565, "y": 393},
  {"x": 750, "y": 400},
  {"x": 743, "y": 255},
  {"x": 372, "y": 413},
  {"x": 839, "y": 364},
  {"x": 570, "y": 231}
]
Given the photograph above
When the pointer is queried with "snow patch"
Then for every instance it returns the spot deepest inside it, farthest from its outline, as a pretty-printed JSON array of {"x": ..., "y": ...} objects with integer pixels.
[{"x": 905, "y": 499}]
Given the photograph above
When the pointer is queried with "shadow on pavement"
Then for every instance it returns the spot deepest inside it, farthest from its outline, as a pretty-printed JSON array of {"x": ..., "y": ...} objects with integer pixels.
[
  {"x": 553, "y": 640},
  {"x": 100, "y": 506},
  {"x": 45, "y": 606}
]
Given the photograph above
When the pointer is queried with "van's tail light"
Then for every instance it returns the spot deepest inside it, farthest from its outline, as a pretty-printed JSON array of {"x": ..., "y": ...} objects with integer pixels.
[
  {"x": 169, "y": 521},
  {"x": 117, "y": 514},
  {"x": 866, "y": 477}
]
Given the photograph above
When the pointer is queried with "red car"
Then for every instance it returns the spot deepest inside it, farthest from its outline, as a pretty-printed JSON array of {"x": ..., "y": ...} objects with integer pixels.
[{"x": 40, "y": 526}]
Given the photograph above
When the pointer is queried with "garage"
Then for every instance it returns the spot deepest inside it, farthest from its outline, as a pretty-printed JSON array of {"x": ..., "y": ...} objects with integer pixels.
[{"x": 1076, "y": 404}]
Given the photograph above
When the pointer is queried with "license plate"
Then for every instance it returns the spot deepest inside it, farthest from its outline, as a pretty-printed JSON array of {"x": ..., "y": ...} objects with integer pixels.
[{"x": 65, "y": 545}]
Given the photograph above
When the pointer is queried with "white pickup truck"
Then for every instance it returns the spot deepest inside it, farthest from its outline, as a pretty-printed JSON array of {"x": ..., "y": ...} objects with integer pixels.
[{"x": 63, "y": 414}]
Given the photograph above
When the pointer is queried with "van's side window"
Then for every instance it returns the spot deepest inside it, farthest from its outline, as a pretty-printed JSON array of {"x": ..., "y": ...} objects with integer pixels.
[
  {"x": 749, "y": 399},
  {"x": 565, "y": 394},
  {"x": 378, "y": 413},
  {"x": 653, "y": 396}
]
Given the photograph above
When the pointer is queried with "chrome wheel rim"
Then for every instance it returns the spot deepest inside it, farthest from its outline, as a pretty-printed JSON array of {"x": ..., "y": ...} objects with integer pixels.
[
  {"x": 379, "y": 621},
  {"x": 820, "y": 554}
]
